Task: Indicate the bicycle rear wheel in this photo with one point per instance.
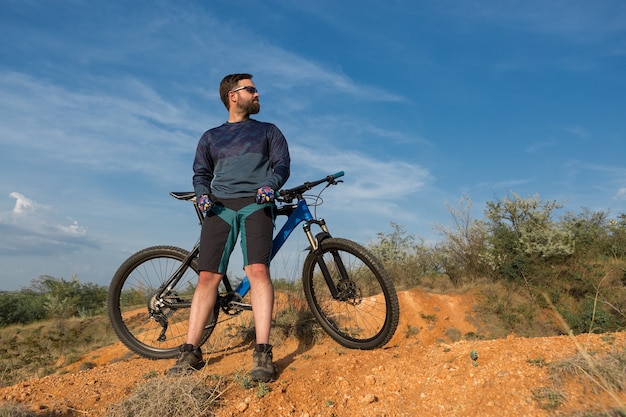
(148, 325)
(366, 311)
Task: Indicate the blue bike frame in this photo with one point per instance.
(300, 213)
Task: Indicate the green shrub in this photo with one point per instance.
(21, 307)
(589, 318)
(50, 297)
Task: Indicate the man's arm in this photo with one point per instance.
(202, 168)
(280, 160)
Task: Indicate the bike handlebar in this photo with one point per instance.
(286, 196)
(296, 192)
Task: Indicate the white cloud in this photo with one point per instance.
(97, 131)
(43, 234)
(23, 204)
(293, 70)
(376, 188)
(368, 175)
(74, 229)
(621, 194)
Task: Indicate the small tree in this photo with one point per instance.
(464, 244)
(617, 237)
(396, 250)
(63, 299)
(590, 233)
(524, 239)
(393, 248)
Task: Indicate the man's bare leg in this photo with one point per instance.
(262, 300)
(202, 304)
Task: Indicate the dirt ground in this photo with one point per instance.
(423, 371)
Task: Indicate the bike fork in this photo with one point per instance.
(315, 242)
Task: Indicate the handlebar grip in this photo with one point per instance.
(307, 186)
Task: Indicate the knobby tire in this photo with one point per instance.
(130, 292)
(366, 315)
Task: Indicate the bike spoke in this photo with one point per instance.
(149, 320)
(143, 283)
(364, 313)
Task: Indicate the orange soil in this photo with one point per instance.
(420, 372)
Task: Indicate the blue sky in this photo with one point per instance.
(419, 102)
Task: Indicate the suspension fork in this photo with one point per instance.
(315, 242)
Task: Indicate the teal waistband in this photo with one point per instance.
(229, 215)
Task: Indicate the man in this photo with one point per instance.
(238, 167)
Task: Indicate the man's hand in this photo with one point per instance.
(205, 204)
(264, 194)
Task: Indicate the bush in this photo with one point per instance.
(524, 239)
(50, 297)
(65, 299)
(589, 317)
(21, 307)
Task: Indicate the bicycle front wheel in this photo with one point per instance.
(149, 321)
(364, 312)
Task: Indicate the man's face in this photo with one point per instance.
(247, 97)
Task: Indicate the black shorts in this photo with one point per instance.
(222, 226)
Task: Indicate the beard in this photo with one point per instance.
(252, 107)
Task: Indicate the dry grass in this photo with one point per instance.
(606, 373)
(39, 349)
(195, 395)
(18, 410)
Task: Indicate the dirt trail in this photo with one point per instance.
(422, 371)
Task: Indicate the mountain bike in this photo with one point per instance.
(346, 287)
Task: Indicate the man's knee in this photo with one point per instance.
(209, 278)
(257, 271)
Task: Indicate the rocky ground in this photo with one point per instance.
(427, 369)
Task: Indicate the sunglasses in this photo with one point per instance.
(248, 88)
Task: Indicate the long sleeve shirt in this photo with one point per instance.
(235, 159)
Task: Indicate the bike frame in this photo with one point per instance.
(296, 214)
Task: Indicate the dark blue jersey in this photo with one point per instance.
(235, 159)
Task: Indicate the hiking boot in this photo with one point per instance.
(263, 367)
(190, 360)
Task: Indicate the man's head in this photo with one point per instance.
(238, 89)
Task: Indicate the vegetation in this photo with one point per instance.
(50, 297)
(39, 349)
(171, 397)
(49, 325)
(513, 256)
(18, 410)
